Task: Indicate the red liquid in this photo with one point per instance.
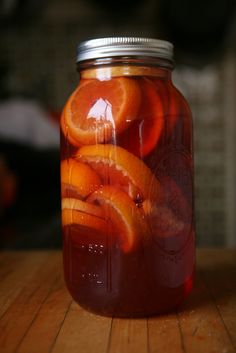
(155, 274)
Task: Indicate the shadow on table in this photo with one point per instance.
(215, 285)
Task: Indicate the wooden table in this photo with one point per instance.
(37, 315)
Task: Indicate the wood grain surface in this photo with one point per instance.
(37, 314)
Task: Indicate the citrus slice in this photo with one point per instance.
(164, 223)
(82, 206)
(82, 213)
(179, 127)
(172, 216)
(144, 133)
(78, 179)
(97, 109)
(123, 214)
(120, 168)
(64, 129)
(174, 125)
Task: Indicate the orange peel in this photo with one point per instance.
(82, 213)
(97, 109)
(119, 167)
(119, 208)
(145, 132)
(78, 179)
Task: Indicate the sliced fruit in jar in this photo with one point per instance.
(82, 206)
(179, 125)
(99, 109)
(127, 219)
(176, 165)
(78, 179)
(64, 129)
(174, 121)
(164, 223)
(144, 133)
(171, 217)
(82, 213)
(120, 168)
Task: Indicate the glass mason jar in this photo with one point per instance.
(127, 180)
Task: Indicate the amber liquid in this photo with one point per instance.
(157, 274)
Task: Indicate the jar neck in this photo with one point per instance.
(106, 68)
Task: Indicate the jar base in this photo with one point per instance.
(117, 310)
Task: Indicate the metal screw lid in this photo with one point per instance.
(124, 46)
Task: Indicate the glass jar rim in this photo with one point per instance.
(124, 46)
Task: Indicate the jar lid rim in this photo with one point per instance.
(124, 46)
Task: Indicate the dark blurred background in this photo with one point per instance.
(38, 42)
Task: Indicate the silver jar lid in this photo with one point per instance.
(124, 46)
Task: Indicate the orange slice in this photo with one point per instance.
(144, 133)
(179, 126)
(82, 206)
(97, 109)
(164, 223)
(118, 167)
(78, 179)
(174, 125)
(172, 216)
(65, 130)
(82, 213)
(123, 214)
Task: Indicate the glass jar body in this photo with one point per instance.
(127, 190)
